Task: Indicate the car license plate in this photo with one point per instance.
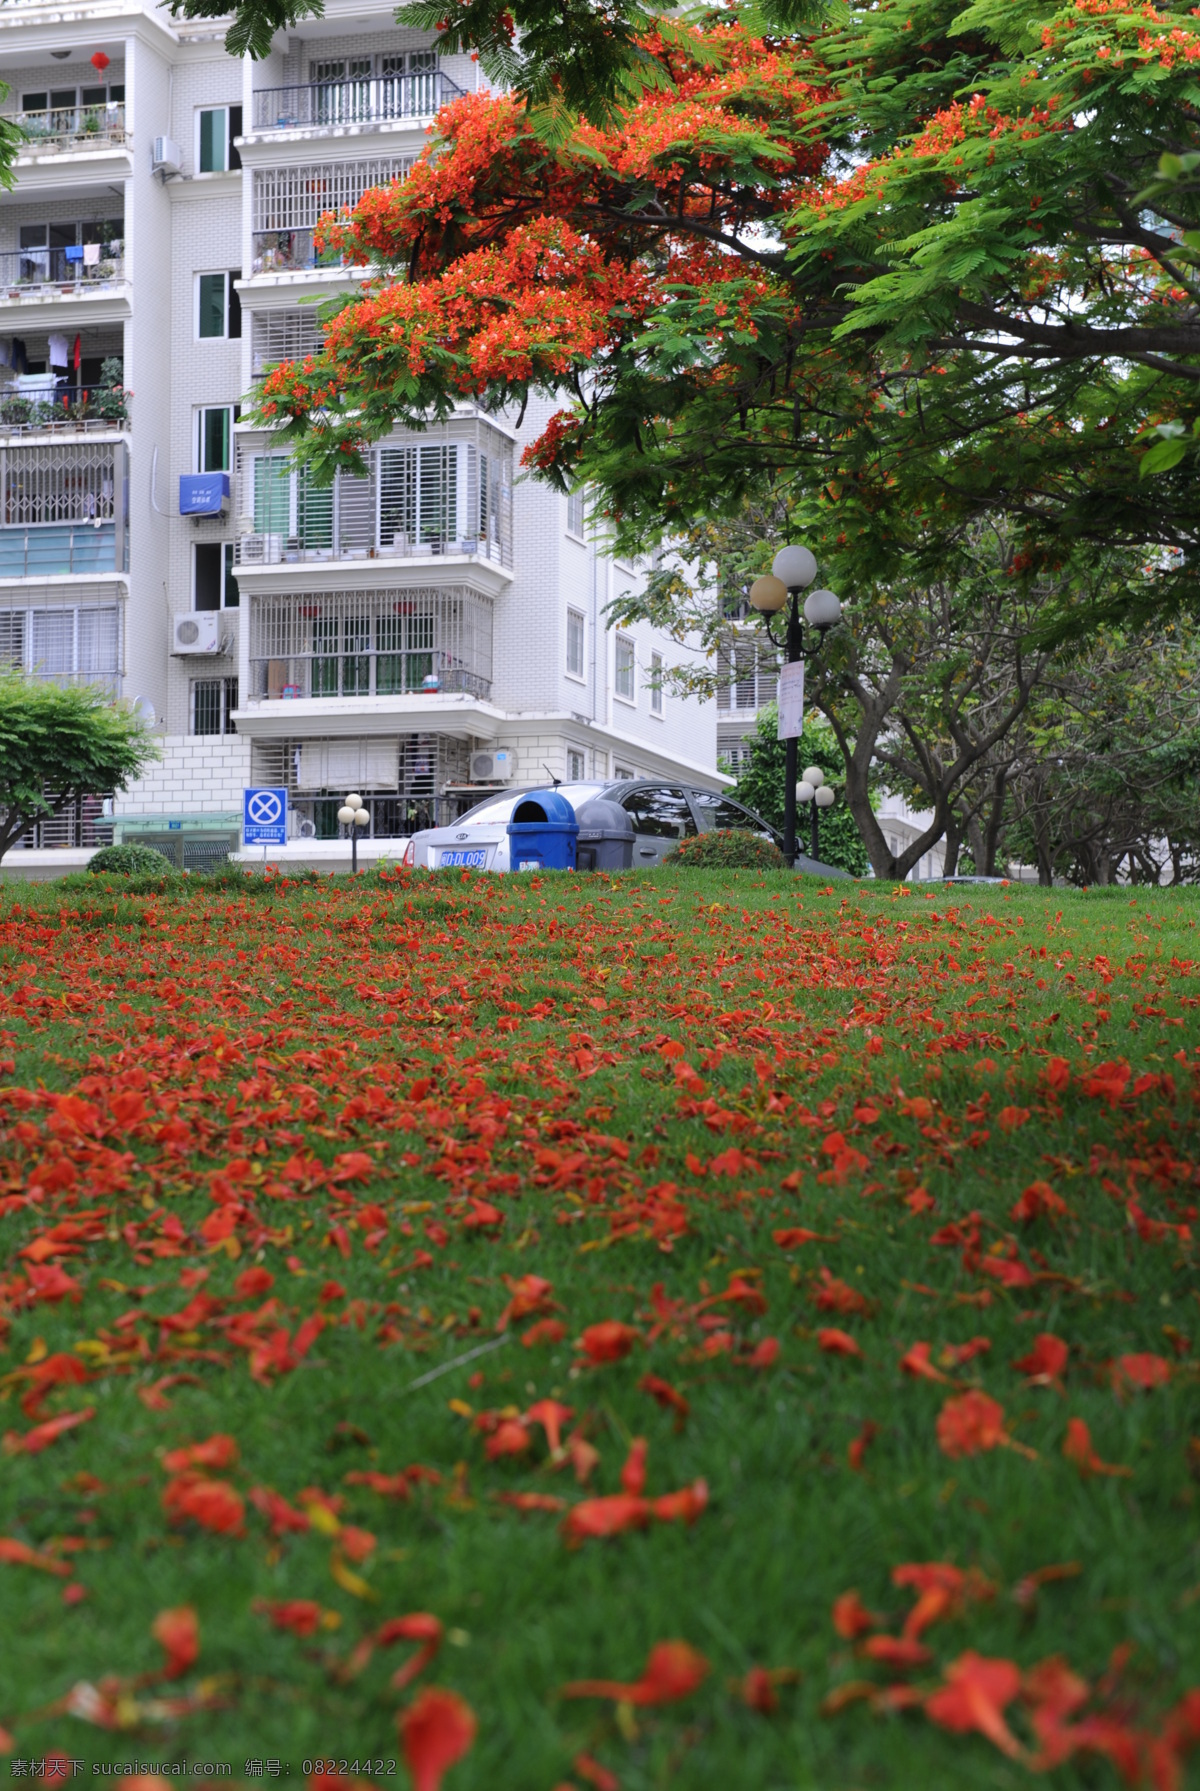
(474, 859)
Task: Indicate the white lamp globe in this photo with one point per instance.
(812, 774)
(822, 609)
(362, 817)
(353, 802)
(345, 815)
(804, 791)
(826, 796)
(795, 566)
(768, 594)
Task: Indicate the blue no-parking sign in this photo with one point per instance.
(264, 817)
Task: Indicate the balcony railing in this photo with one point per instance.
(364, 674)
(374, 643)
(68, 270)
(87, 410)
(62, 130)
(332, 105)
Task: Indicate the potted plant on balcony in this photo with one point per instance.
(110, 399)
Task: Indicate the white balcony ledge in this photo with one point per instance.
(338, 717)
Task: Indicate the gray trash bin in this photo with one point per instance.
(605, 836)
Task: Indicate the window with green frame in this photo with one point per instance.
(281, 491)
(405, 653)
(341, 656)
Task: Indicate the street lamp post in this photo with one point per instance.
(354, 815)
(813, 787)
(792, 571)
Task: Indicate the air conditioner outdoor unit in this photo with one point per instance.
(198, 633)
(166, 157)
(261, 550)
(492, 767)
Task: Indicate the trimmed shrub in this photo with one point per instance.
(130, 861)
(727, 849)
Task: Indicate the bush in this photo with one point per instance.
(130, 861)
(727, 849)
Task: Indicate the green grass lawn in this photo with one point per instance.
(397, 1101)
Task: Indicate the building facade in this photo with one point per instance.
(416, 635)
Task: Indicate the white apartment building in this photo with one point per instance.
(390, 635)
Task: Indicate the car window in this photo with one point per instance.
(718, 811)
(499, 811)
(490, 814)
(661, 812)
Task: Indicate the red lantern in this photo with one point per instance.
(100, 62)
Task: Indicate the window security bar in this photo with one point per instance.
(401, 779)
(371, 643)
(295, 197)
(79, 265)
(452, 496)
(284, 335)
(64, 128)
(65, 643)
(370, 99)
(62, 508)
(80, 823)
(750, 676)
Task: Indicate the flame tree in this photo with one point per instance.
(918, 263)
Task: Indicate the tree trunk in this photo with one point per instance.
(952, 847)
(995, 822)
(1044, 850)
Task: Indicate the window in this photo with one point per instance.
(624, 669)
(287, 503)
(418, 496)
(623, 773)
(214, 437)
(575, 766)
(67, 103)
(213, 703)
(70, 249)
(661, 812)
(718, 811)
(218, 307)
(575, 642)
(62, 644)
(656, 691)
(215, 132)
(215, 586)
(576, 511)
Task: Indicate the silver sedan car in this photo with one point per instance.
(662, 814)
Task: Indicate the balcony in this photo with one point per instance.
(72, 130)
(79, 268)
(83, 410)
(288, 252)
(289, 198)
(330, 106)
(401, 644)
(62, 509)
(427, 499)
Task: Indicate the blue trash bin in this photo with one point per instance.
(542, 833)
